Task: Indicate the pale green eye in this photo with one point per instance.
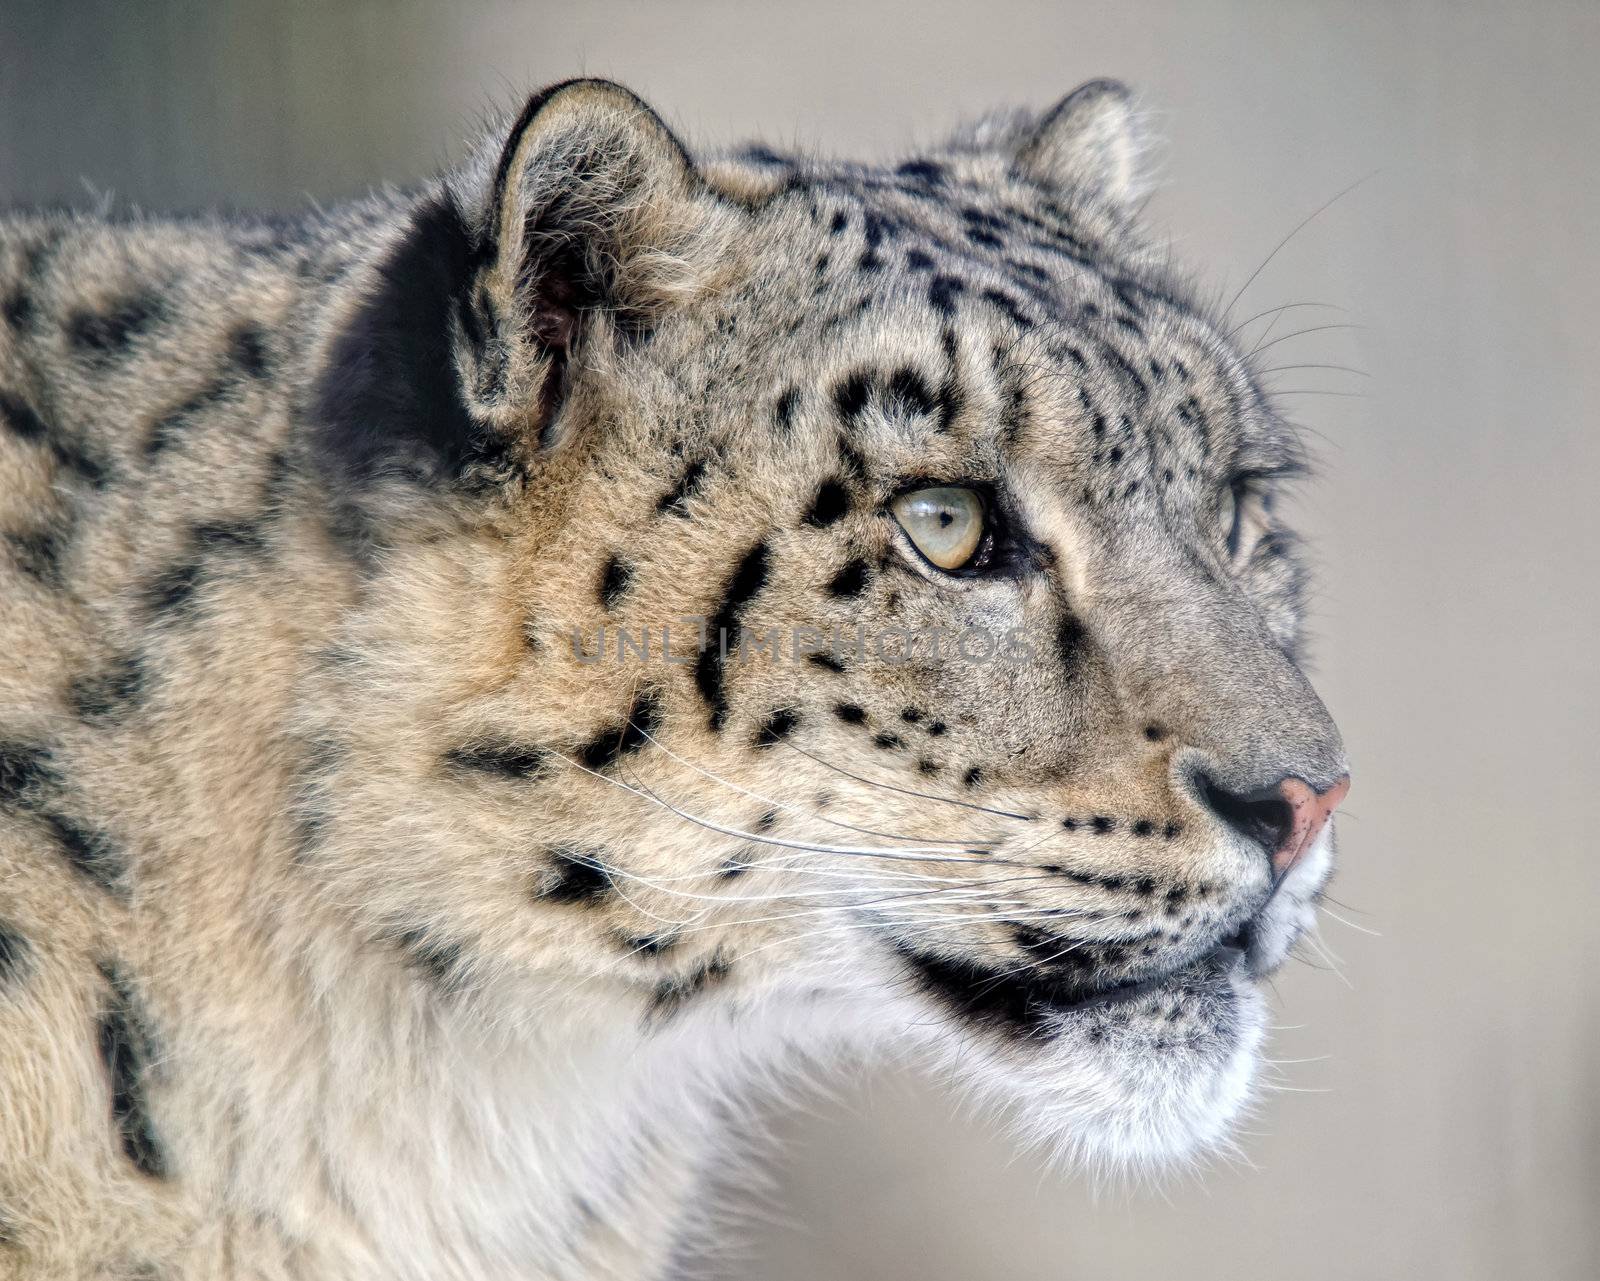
(944, 522)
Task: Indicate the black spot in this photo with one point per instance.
(38, 554)
(676, 499)
(440, 960)
(849, 581)
(911, 715)
(172, 591)
(1070, 824)
(13, 953)
(732, 869)
(103, 336)
(236, 535)
(1171, 830)
(1102, 823)
(672, 995)
(17, 310)
(614, 580)
(936, 728)
(973, 777)
(925, 766)
(177, 422)
(852, 394)
(581, 877)
(1012, 307)
(887, 740)
(126, 1048)
(831, 503)
(975, 217)
(248, 350)
(1124, 367)
(839, 223)
(24, 423)
(783, 411)
(1144, 827)
(917, 260)
(648, 944)
(910, 393)
(90, 851)
(1069, 643)
(510, 760)
(943, 291)
(828, 661)
(644, 719)
(950, 401)
(850, 713)
(928, 171)
(766, 822)
(25, 771)
(777, 727)
(111, 692)
(20, 418)
(747, 580)
(1155, 733)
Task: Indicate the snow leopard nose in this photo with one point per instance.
(1285, 819)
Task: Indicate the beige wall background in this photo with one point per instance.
(1439, 1113)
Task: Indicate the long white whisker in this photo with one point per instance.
(1328, 911)
(644, 793)
(792, 809)
(907, 791)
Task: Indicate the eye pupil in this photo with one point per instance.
(944, 522)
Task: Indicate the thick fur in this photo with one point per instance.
(373, 903)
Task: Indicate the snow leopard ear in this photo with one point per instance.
(1089, 141)
(582, 223)
(594, 218)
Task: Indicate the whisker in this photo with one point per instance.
(767, 800)
(1279, 310)
(1362, 929)
(644, 793)
(1343, 369)
(1300, 333)
(926, 925)
(906, 791)
(1298, 228)
(967, 918)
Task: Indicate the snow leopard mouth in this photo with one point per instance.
(1033, 1002)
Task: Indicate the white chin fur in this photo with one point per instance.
(1112, 1091)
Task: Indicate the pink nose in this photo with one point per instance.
(1309, 813)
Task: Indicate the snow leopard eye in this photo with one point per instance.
(1230, 512)
(944, 522)
(1242, 515)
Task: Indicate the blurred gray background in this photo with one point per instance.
(1444, 1119)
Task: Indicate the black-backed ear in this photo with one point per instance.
(1089, 141)
(583, 224)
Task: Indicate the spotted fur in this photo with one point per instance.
(468, 715)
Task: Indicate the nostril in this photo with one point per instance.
(1265, 817)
